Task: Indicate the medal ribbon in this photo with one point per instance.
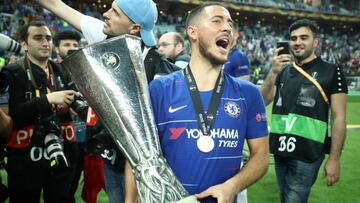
(205, 120)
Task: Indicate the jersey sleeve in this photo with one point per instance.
(339, 84)
(238, 64)
(92, 29)
(157, 99)
(243, 68)
(256, 115)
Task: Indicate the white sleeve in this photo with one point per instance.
(92, 29)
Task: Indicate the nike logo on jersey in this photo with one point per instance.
(171, 110)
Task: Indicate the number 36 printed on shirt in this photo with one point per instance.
(288, 145)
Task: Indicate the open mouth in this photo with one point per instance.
(223, 43)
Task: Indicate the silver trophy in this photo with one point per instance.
(111, 76)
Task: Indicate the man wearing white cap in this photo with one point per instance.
(136, 17)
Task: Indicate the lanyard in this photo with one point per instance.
(205, 120)
(317, 85)
(49, 77)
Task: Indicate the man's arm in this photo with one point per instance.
(338, 110)
(252, 171)
(130, 185)
(63, 11)
(268, 88)
(5, 123)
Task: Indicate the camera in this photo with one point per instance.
(80, 106)
(97, 140)
(49, 129)
(8, 44)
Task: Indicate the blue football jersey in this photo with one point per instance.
(238, 64)
(241, 115)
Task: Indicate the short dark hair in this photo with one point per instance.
(24, 32)
(66, 34)
(312, 25)
(197, 10)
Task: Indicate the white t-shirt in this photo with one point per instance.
(92, 29)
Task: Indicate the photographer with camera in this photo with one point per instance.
(64, 42)
(91, 164)
(41, 148)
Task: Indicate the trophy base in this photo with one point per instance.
(190, 199)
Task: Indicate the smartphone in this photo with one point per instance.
(285, 45)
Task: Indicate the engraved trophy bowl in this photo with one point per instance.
(111, 76)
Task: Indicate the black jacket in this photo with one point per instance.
(26, 109)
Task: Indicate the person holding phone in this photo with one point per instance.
(280, 58)
(306, 91)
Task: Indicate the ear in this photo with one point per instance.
(135, 29)
(179, 48)
(192, 32)
(24, 45)
(316, 42)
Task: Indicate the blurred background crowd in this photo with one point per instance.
(262, 23)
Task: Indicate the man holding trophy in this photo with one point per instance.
(112, 78)
(203, 115)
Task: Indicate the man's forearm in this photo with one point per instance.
(130, 185)
(338, 130)
(62, 10)
(268, 87)
(337, 137)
